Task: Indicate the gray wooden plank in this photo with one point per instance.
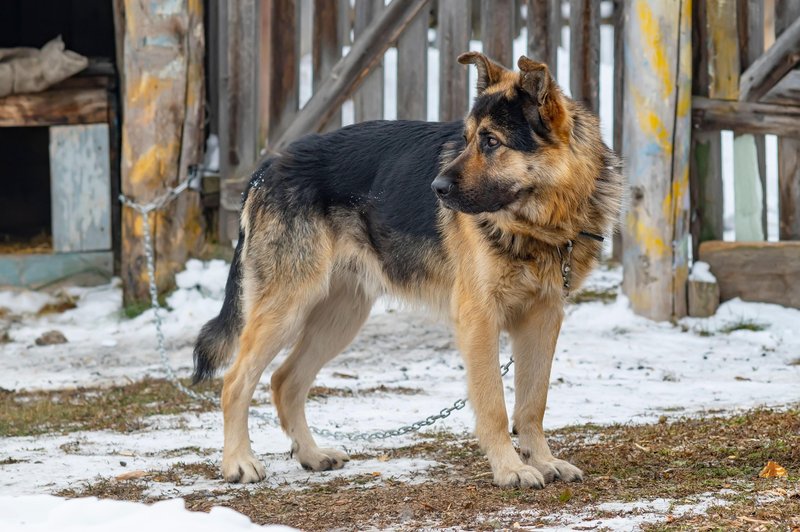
(80, 188)
(585, 52)
(412, 69)
(39, 270)
(326, 48)
(544, 32)
(497, 29)
(787, 14)
(454, 33)
(368, 100)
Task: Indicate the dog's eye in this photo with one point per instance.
(490, 142)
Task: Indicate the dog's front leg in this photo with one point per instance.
(478, 338)
(534, 342)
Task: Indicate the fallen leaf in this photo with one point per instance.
(772, 470)
(376, 473)
(132, 475)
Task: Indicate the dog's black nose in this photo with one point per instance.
(442, 186)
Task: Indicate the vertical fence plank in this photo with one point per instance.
(706, 158)
(238, 100)
(412, 69)
(786, 12)
(657, 116)
(326, 47)
(368, 101)
(750, 19)
(544, 32)
(454, 33)
(584, 56)
(497, 30)
(619, 83)
(279, 45)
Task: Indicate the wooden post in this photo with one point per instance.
(368, 99)
(412, 69)
(326, 48)
(656, 142)
(161, 133)
(454, 32)
(497, 29)
(544, 32)
(584, 61)
(279, 46)
(706, 152)
(787, 12)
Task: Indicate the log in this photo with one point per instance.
(55, 107)
(703, 291)
(412, 69)
(584, 77)
(759, 271)
(773, 65)
(745, 117)
(161, 131)
(544, 32)
(656, 144)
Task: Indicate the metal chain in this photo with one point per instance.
(160, 203)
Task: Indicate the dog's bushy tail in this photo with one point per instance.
(219, 337)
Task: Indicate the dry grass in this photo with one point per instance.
(622, 463)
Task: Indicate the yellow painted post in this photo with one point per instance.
(161, 135)
(656, 142)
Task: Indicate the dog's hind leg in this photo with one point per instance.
(330, 327)
(534, 342)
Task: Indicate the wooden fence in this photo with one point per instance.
(677, 77)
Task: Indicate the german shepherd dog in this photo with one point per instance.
(523, 191)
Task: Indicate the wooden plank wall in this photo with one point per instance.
(657, 123)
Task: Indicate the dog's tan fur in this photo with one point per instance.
(315, 296)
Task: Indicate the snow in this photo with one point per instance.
(45, 513)
(701, 272)
(21, 301)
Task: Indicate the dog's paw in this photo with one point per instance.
(521, 476)
(316, 459)
(243, 468)
(554, 469)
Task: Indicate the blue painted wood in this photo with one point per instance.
(37, 270)
(80, 185)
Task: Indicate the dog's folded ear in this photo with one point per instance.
(548, 102)
(489, 72)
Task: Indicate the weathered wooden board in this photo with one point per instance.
(786, 92)
(39, 270)
(412, 69)
(544, 32)
(497, 29)
(619, 83)
(776, 62)
(722, 49)
(278, 66)
(758, 271)
(745, 117)
(326, 48)
(788, 12)
(80, 188)
(163, 50)
(368, 99)
(55, 107)
(584, 57)
(656, 143)
(454, 33)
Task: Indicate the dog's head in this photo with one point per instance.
(519, 142)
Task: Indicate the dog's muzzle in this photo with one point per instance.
(442, 186)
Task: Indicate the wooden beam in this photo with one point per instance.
(351, 70)
(786, 91)
(279, 45)
(745, 117)
(788, 148)
(368, 99)
(619, 83)
(772, 66)
(497, 29)
(412, 69)
(55, 107)
(755, 271)
(656, 148)
(454, 32)
(544, 32)
(584, 76)
(326, 48)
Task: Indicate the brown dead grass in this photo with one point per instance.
(622, 463)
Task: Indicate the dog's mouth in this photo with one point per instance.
(477, 203)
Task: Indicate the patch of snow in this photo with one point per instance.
(45, 513)
(701, 272)
(18, 301)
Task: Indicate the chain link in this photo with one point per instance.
(161, 202)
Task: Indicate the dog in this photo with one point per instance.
(491, 220)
